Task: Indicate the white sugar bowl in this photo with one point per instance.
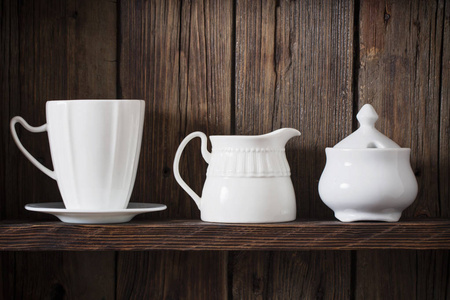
(367, 176)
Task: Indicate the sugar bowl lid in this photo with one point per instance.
(366, 136)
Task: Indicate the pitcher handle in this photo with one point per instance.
(206, 156)
(30, 128)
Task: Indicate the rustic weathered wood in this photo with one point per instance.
(149, 70)
(225, 67)
(198, 235)
(33, 73)
(91, 42)
(172, 275)
(444, 113)
(399, 74)
(399, 274)
(386, 275)
(265, 275)
(433, 276)
(255, 76)
(293, 69)
(50, 50)
(283, 79)
(313, 92)
(64, 275)
(179, 61)
(7, 272)
(9, 48)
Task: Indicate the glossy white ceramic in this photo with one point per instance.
(367, 177)
(248, 178)
(368, 184)
(94, 217)
(95, 146)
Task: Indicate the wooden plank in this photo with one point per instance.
(314, 61)
(7, 265)
(400, 49)
(255, 66)
(444, 125)
(91, 43)
(32, 54)
(250, 272)
(55, 51)
(64, 275)
(266, 275)
(50, 50)
(293, 69)
(149, 70)
(433, 276)
(283, 80)
(433, 266)
(205, 87)
(176, 56)
(9, 81)
(181, 65)
(386, 275)
(172, 275)
(390, 274)
(399, 74)
(197, 235)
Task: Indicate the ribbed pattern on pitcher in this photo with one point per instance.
(241, 162)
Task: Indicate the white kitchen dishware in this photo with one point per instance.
(367, 176)
(94, 217)
(95, 146)
(248, 178)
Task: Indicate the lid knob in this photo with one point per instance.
(367, 116)
(367, 136)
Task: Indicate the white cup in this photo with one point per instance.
(95, 146)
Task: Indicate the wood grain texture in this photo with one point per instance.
(444, 113)
(34, 73)
(314, 61)
(433, 276)
(399, 74)
(255, 76)
(50, 50)
(91, 42)
(7, 272)
(149, 70)
(399, 274)
(61, 50)
(9, 73)
(179, 62)
(197, 235)
(293, 69)
(386, 275)
(172, 275)
(205, 87)
(226, 67)
(64, 275)
(310, 275)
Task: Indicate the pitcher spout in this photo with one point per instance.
(281, 136)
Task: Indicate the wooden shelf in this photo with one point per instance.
(197, 235)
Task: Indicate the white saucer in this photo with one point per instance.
(94, 217)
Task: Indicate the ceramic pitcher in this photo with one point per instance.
(247, 180)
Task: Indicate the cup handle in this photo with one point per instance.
(206, 156)
(30, 128)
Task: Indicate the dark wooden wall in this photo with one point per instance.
(229, 67)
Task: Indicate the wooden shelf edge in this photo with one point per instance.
(198, 235)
